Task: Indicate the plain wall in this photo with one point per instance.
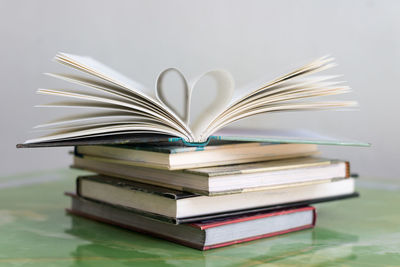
(248, 38)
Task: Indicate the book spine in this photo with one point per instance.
(78, 186)
(347, 169)
(270, 208)
(76, 152)
(193, 144)
(151, 215)
(314, 221)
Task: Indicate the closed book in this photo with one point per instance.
(229, 179)
(201, 235)
(178, 206)
(177, 157)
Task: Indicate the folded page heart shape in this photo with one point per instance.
(224, 86)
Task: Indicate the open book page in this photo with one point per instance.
(85, 119)
(224, 85)
(267, 96)
(116, 121)
(104, 72)
(122, 105)
(149, 119)
(97, 69)
(121, 94)
(284, 93)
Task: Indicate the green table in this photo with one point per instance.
(35, 231)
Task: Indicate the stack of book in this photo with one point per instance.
(207, 197)
(197, 183)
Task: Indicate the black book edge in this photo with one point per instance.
(136, 186)
(271, 208)
(184, 191)
(129, 227)
(118, 139)
(164, 190)
(73, 212)
(229, 214)
(136, 211)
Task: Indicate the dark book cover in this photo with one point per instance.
(124, 218)
(176, 195)
(116, 139)
(226, 134)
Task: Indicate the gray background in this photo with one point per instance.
(248, 38)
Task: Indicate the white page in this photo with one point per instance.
(254, 87)
(100, 70)
(99, 124)
(99, 106)
(98, 131)
(86, 97)
(125, 95)
(248, 91)
(293, 95)
(95, 98)
(266, 95)
(316, 81)
(287, 107)
(225, 88)
(102, 87)
(89, 119)
(113, 90)
(315, 66)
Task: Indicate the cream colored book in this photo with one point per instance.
(179, 205)
(229, 179)
(182, 157)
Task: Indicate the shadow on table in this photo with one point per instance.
(108, 244)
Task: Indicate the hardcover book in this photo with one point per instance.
(219, 180)
(123, 110)
(178, 206)
(203, 235)
(183, 157)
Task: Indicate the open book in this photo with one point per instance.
(124, 107)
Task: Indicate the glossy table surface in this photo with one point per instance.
(35, 231)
